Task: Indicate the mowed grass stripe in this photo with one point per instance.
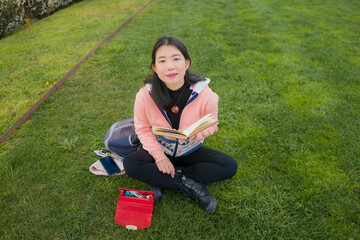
(293, 135)
(33, 59)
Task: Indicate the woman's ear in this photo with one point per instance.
(153, 67)
(187, 61)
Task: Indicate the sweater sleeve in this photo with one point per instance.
(143, 129)
(210, 106)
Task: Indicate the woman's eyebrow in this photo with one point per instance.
(175, 55)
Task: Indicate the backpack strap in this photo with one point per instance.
(111, 130)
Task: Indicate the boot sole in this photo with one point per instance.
(212, 206)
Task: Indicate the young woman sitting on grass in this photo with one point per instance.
(173, 97)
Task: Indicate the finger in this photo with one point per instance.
(163, 169)
(172, 170)
(166, 171)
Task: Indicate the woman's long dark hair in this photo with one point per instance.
(160, 93)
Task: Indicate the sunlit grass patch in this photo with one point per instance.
(288, 111)
(31, 58)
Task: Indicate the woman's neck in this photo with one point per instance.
(174, 87)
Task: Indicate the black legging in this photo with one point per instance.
(203, 165)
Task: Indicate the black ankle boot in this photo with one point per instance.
(158, 192)
(198, 192)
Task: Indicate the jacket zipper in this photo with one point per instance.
(177, 140)
(168, 120)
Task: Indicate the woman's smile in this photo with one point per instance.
(172, 75)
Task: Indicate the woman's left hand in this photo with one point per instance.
(164, 165)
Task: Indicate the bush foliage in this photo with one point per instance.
(15, 12)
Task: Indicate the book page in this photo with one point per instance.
(168, 132)
(203, 126)
(198, 123)
(194, 128)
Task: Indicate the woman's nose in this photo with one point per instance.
(170, 65)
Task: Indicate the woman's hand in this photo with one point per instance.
(164, 165)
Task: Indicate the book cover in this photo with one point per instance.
(190, 131)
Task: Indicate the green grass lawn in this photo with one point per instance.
(34, 58)
(287, 73)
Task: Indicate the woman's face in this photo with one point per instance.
(170, 65)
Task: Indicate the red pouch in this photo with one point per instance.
(132, 212)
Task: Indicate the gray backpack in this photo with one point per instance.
(121, 138)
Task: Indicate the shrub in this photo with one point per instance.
(15, 12)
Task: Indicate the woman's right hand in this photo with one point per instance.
(164, 165)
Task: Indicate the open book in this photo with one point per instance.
(190, 131)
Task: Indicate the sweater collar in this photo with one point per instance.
(197, 87)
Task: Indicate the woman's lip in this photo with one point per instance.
(171, 75)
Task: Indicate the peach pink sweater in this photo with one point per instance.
(147, 114)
